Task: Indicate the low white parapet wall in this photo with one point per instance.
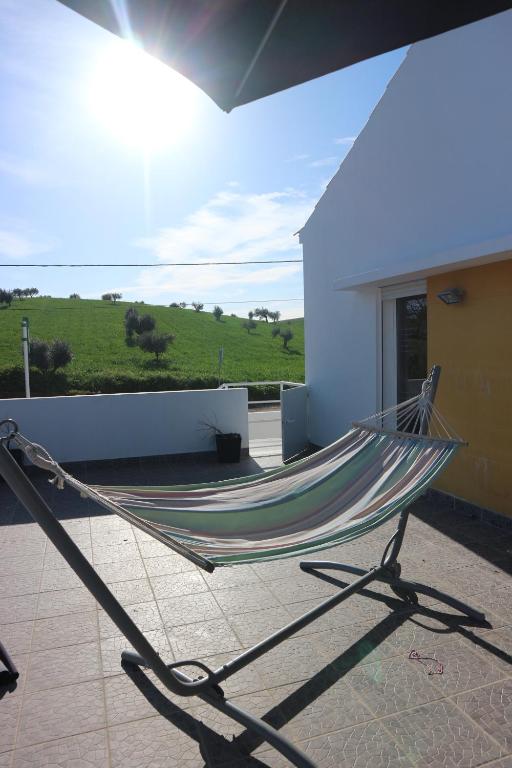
(92, 427)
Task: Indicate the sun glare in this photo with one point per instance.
(140, 100)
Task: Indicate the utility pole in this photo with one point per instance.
(25, 338)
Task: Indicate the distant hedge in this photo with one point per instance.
(12, 383)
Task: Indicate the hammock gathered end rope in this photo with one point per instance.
(341, 492)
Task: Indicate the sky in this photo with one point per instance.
(107, 156)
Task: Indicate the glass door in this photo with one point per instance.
(404, 341)
(411, 345)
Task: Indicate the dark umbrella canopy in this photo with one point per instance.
(241, 50)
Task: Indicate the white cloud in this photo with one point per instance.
(346, 140)
(14, 245)
(21, 170)
(323, 162)
(232, 226)
(297, 158)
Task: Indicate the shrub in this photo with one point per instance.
(249, 325)
(197, 306)
(276, 331)
(175, 305)
(155, 343)
(250, 315)
(218, 312)
(39, 355)
(49, 356)
(131, 322)
(6, 297)
(146, 323)
(286, 335)
(106, 297)
(60, 354)
(74, 296)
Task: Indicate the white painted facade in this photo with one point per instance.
(426, 188)
(92, 427)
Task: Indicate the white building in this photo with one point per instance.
(423, 202)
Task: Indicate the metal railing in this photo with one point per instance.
(281, 384)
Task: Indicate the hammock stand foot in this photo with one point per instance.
(215, 697)
(406, 590)
(389, 571)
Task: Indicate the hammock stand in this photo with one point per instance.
(208, 687)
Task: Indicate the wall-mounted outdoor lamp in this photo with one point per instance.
(451, 296)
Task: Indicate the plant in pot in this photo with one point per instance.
(228, 445)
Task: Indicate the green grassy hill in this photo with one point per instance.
(104, 363)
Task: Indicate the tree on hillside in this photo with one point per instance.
(286, 335)
(134, 323)
(276, 331)
(17, 293)
(218, 312)
(274, 316)
(131, 322)
(39, 355)
(249, 325)
(6, 297)
(197, 306)
(112, 297)
(155, 343)
(146, 323)
(174, 305)
(250, 314)
(74, 296)
(262, 313)
(60, 354)
(50, 356)
(31, 292)
(183, 304)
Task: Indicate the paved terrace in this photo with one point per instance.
(344, 688)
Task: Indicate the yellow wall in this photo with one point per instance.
(472, 341)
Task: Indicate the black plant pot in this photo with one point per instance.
(228, 447)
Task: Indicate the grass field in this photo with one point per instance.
(104, 363)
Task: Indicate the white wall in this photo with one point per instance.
(90, 427)
(430, 173)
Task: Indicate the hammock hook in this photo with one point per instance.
(11, 428)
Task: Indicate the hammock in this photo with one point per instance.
(343, 491)
(338, 494)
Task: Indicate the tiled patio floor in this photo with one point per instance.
(344, 688)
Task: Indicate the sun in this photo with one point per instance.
(139, 100)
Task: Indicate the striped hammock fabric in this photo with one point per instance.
(336, 495)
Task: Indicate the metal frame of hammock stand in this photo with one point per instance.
(208, 687)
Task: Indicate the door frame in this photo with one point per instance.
(386, 337)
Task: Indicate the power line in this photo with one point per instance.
(161, 264)
(250, 301)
